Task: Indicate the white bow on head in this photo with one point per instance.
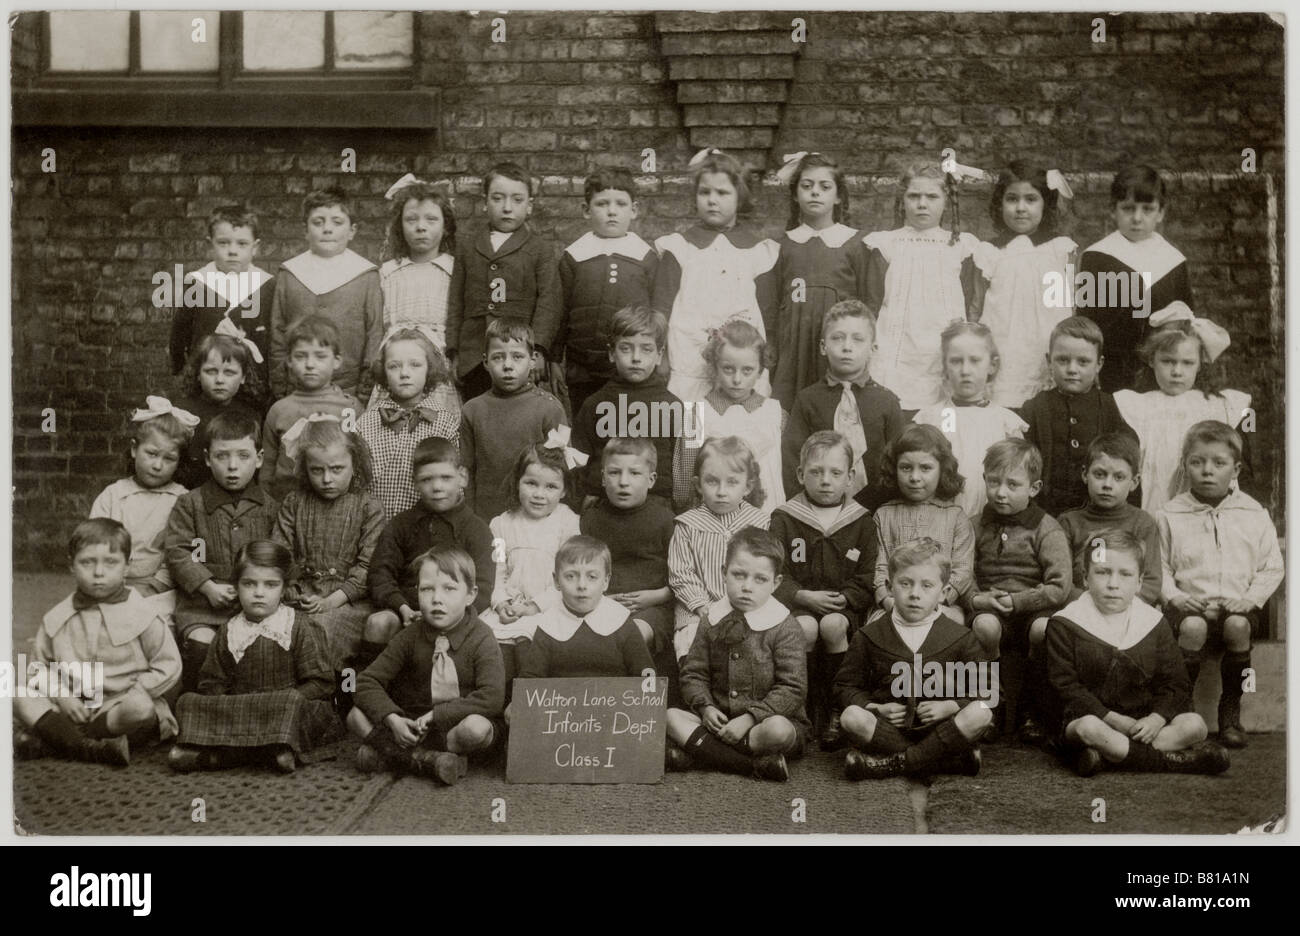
(703, 155)
(790, 165)
(962, 173)
(558, 438)
(291, 441)
(1214, 337)
(1056, 182)
(156, 406)
(411, 179)
(231, 330)
(420, 327)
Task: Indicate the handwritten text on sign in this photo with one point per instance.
(606, 730)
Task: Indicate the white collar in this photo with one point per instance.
(326, 274)
(760, 619)
(124, 621)
(1155, 255)
(927, 621)
(1141, 619)
(561, 623)
(590, 245)
(241, 632)
(834, 236)
(444, 261)
(132, 487)
(233, 288)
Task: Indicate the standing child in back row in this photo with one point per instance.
(713, 272)
(328, 279)
(506, 271)
(605, 270)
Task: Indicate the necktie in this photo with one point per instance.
(731, 629)
(443, 686)
(848, 423)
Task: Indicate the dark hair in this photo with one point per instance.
(327, 432)
(264, 554)
(928, 439)
(1010, 454)
(508, 329)
(1020, 170)
(327, 198)
(235, 216)
(252, 392)
(512, 171)
(1078, 326)
(819, 161)
(919, 552)
(231, 425)
(1209, 376)
(452, 561)
(583, 549)
(1117, 445)
(734, 170)
(630, 321)
(535, 454)
(315, 328)
(1113, 540)
(929, 170)
(1141, 183)
(735, 450)
(602, 180)
(435, 450)
(639, 446)
(759, 543)
(395, 239)
(739, 334)
(438, 372)
(99, 531)
(1212, 432)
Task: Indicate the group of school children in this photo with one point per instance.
(893, 450)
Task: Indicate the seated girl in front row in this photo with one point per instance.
(745, 678)
(265, 687)
(1122, 685)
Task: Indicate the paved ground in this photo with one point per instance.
(1019, 791)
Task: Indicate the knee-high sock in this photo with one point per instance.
(193, 653)
(926, 755)
(1192, 660)
(1142, 757)
(1011, 677)
(394, 756)
(58, 731)
(366, 653)
(1033, 700)
(831, 670)
(706, 749)
(1231, 669)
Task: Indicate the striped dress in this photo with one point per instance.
(270, 696)
(696, 555)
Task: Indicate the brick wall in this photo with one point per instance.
(570, 91)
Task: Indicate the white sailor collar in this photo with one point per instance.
(444, 261)
(589, 246)
(233, 288)
(834, 236)
(124, 621)
(1155, 255)
(1142, 618)
(561, 623)
(803, 511)
(761, 619)
(326, 274)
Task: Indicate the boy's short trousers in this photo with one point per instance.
(800, 741)
(436, 738)
(1214, 628)
(889, 739)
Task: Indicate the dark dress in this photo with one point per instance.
(271, 696)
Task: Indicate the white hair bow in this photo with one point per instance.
(558, 438)
(1214, 337)
(1056, 182)
(962, 173)
(420, 327)
(790, 164)
(156, 406)
(291, 441)
(411, 179)
(231, 330)
(703, 155)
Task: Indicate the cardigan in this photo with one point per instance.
(1082, 524)
(877, 655)
(398, 680)
(1062, 426)
(1025, 554)
(638, 539)
(814, 410)
(393, 583)
(495, 427)
(1225, 552)
(524, 270)
(840, 558)
(602, 418)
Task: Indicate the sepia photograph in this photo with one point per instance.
(563, 422)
